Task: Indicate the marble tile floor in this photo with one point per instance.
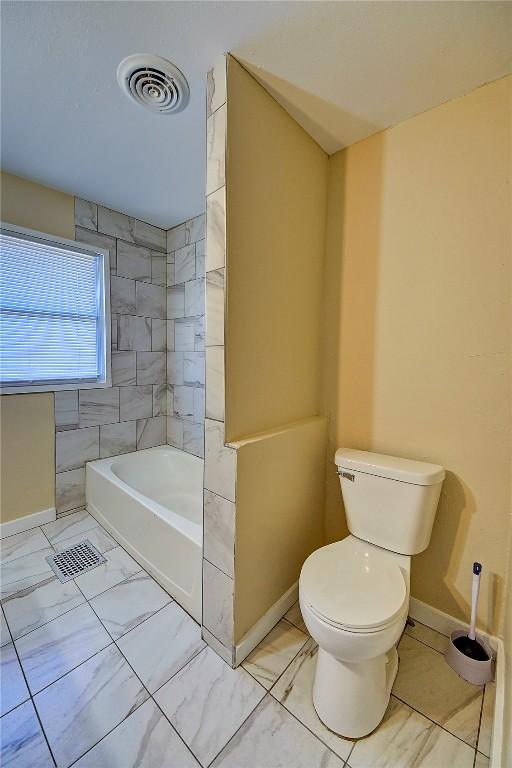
(108, 671)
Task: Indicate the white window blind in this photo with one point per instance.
(52, 314)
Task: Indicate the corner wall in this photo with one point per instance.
(417, 352)
(265, 443)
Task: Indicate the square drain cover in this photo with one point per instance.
(76, 560)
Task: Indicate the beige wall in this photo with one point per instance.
(276, 193)
(27, 455)
(27, 425)
(280, 496)
(31, 205)
(417, 352)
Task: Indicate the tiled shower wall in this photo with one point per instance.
(130, 415)
(186, 335)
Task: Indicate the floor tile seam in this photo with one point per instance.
(422, 624)
(27, 554)
(96, 525)
(137, 626)
(422, 642)
(111, 730)
(207, 765)
(284, 670)
(45, 624)
(174, 729)
(189, 661)
(433, 721)
(104, 590)
(23, 578)
(319, 738)
(290, 663)
(31, 699)
(480, 720)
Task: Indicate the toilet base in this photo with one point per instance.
(351, 698)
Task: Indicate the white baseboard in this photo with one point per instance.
(446, 624)
(262, 627)
(28, 521)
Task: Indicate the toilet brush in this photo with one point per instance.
(470, 657)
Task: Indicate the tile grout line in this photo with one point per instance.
(432, 721)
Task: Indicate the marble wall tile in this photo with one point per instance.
(184, 334)
(115, 224)
(200, 258)
(14, 688)
(221, 650)
(175, 431)
(70, 489)
(175, 238)
(216, 230)
(66, 409)
(136, 402)
(118, 438)
(199, 333)
(193, 369)
(220, 462)
(215, 308)
(215, 394)
(175, 301)
(216, 150)
(218, 594)
(129, 603)
(216, 87)
(160, 399)
(195, 229)
(170, 335)
(74, 447)
(150, 300)
(149, 235)
(184, 403)
(219, 532)
(207, 702)
(185, 263)
(194, 297)
(98, 406)
(86, 214)
(193, 438)
(150, 367)
(55, 648)
(175, 368)
(114, 328)
(124, 369)
(151, 432)
(133, 261)
(122, 295)
(171, 270)
(159, 269)
(84, 705)
(22, 742)
(134, 333)
(98, 240)
(145, 738)
(199, 405)
(174, 639)
(289, 745)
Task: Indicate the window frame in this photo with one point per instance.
(56, 386)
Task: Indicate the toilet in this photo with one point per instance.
(354, 594)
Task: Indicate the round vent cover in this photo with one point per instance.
(153, 82)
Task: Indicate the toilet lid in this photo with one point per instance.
(352, 585)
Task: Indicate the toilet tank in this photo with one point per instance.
(389, 502)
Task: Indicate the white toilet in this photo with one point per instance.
(354, 594)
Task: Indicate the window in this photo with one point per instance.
(54, 313)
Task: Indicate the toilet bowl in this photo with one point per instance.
(356, 628)
(354, 594)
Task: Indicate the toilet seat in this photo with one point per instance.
(353, 586)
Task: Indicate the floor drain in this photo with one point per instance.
(75, 560)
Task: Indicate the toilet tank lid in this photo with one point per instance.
(392, 467)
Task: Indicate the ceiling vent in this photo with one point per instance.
(153, 82)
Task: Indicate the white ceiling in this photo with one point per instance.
(344, 70)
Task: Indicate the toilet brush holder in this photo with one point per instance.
(469, 655)
(474, 671)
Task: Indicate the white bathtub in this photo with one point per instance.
(151, 501)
